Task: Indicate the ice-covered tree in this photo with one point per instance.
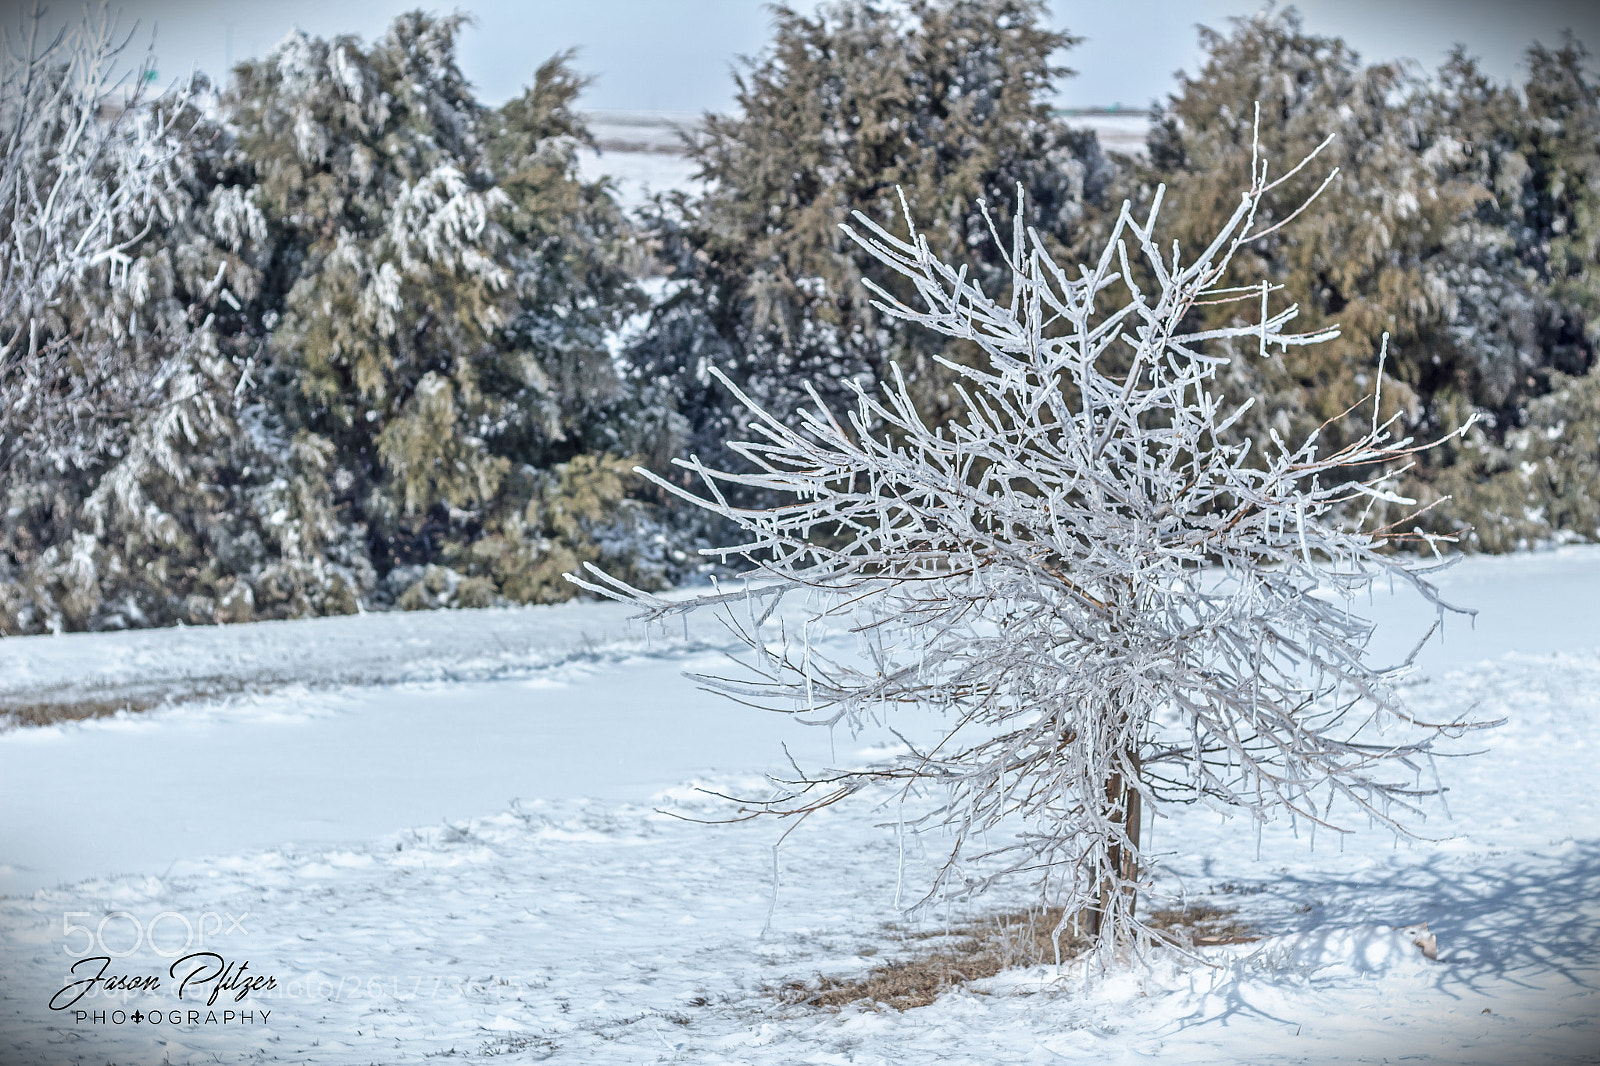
(88, 169)
(119, 247)
(1114, 602)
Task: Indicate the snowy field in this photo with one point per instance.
(641, 151)
(636, 175)
(1118, 132)
(449, 836)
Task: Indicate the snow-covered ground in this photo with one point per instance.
(139, 666)
(1119, 131)
(642, 151)
(637, 175)
(440, 836)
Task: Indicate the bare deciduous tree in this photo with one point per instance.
(1116, 605)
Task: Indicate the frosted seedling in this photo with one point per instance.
(1114, 604)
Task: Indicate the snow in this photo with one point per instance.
(643, 150)
(1123, 132)
(638, 174)
(352, 650)
(357, 841)
(642, 131)
(320, 768)
(1533, 602)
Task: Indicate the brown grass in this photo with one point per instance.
(1201, 925)
(56, 705)
(982, 948)
(43, 712)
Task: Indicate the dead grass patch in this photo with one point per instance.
(1201, 925)
(44, 712)
(951, 958)
(61, 704)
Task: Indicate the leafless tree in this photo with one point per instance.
(1115, 604)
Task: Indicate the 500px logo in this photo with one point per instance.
(120, 934)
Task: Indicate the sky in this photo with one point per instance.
(676, 55)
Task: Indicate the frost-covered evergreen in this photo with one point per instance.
(339, 338)
(1430, 232)
(1530, 474)
(447, 285)
(947, 99)
(389, 256)
(118, 250)
(90, 169)
(1384, 249)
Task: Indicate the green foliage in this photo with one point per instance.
(947, 101)
(357, 349)
(1430, 233)
(1542, 482)
(1558, 140)
(377, 316)
(448, 287)
(1371, 253)
(573, 258)
(557, 531)
(370, 164)
(119, 528)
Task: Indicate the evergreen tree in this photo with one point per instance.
(1419, 236)
(121, 247)
(350, 336)
(573, 259)
(571, 427)
(1531, 472)
(369, 166)
(347, 342)
(1363, 255)
(1560, 140)
(447, 285)
(947, 100)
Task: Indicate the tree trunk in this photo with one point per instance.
(1126, 808)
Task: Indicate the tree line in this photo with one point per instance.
(337, 335)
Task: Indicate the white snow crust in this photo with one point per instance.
(451, 836)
